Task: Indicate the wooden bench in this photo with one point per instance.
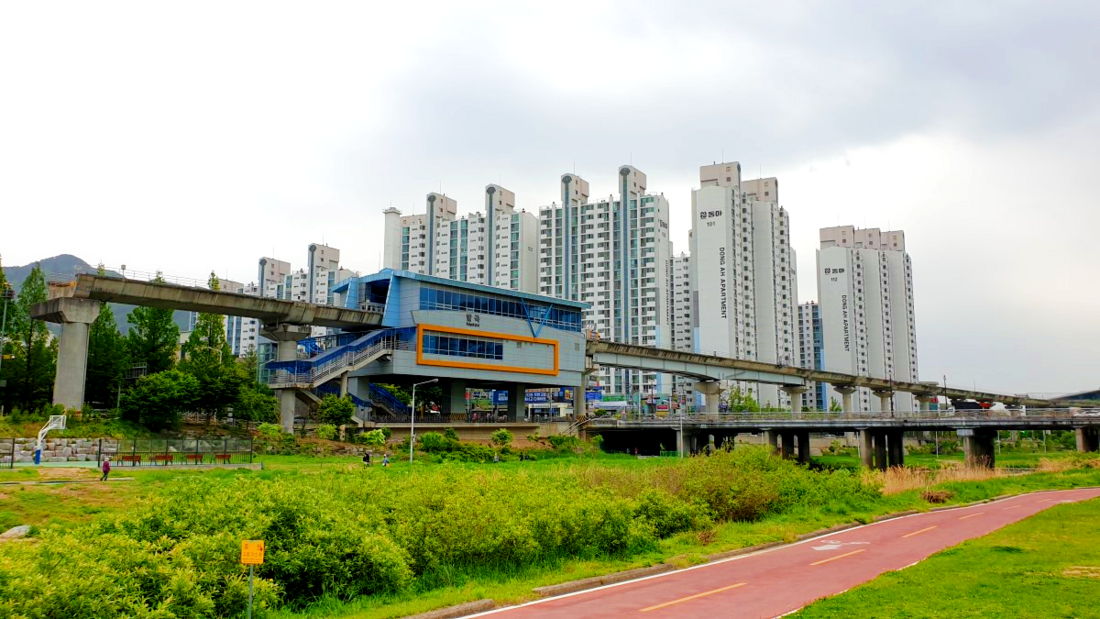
(163, 458)
(223, 458)
(133, 460)
(196, 458)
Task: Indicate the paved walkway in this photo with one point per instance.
(778, 581)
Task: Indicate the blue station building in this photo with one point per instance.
(468, 336)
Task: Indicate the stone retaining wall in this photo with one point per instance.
(58, 449)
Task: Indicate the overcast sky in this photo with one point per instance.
(206, 135)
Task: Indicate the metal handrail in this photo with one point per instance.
(1068, 414)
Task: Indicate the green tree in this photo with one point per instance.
(108, 359)
(336, 410)
(254, 404)
(33, 364)
(834, 406)
(206, 355)
(153, 337)
(158, 400)
(742, 401)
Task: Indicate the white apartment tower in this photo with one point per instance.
(682, 323)
(743, 273)
(865, 289)
(614, 254)
(495, 248)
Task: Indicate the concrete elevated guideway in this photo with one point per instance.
(709, 368)
(517, 340)
(76, 305)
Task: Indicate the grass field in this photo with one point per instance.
(1045, 566)
(345, 482)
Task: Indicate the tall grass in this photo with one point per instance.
(897, 480)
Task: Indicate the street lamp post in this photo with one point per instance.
(412, 418)
(6, 295)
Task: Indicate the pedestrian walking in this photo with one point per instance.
(385, 460)
(496, 458)
(366, 458)
(106, 468)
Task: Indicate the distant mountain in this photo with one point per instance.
(65, 268)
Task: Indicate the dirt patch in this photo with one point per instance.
(49, 473)
(1083, 571)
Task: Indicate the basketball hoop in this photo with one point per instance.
(56, 422)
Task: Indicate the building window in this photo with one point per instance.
(472, 347)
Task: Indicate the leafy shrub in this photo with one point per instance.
(434, 442)
(451, 434)
(388, 433)
(501, 437)
(270, 430)
(374, 438)
(326, 431)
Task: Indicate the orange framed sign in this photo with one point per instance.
(473, 365)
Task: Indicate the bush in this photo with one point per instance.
(326, 431)
(270, 430)
(434, 442)
(501, 437)
(373, 438)
(451, 434)
(388, 433)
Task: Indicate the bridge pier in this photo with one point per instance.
(884, 401)
(880, 451)
(803, 438)
(845, 392)
(787, 442)
(866, 448)
(75, 317)
(896, 448)
(1088, 439)
(795, 394)
(770, 438)
(286, 338)
(579, 401)
(712, 391)
(979, 447)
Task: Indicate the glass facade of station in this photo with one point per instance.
(564, 318)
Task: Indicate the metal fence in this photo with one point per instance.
(1059, 414)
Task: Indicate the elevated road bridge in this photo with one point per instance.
(880, 433)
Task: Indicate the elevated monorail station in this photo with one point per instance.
(467, 336)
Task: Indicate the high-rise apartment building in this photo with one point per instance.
(865, 289)
(682, 331)
(811, 354)
(743, 273)
(616, 255)
(272, 278)
(495, 248)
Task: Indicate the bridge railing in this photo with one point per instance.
(1068, 414)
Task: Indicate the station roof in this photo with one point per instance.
(387, 274)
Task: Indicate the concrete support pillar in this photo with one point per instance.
(770, 438)
(803, 437)
(712, 392)
(866, 448)
(925, 403)
(74, 316)
(897, 448)
(884, 401)
(579, 402)
(980, 449)
(286, 349)
(516, 404)
(845, 392)
(880, 451)
(455, 399)
(681, 447)
(787, 440)
(344, 385)
(796, 398)
(1088, 439)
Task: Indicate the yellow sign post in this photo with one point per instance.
(252, 554)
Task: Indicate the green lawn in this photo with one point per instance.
(1045, 566)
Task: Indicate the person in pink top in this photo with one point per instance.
(106, 468)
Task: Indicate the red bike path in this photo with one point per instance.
(780, 580)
